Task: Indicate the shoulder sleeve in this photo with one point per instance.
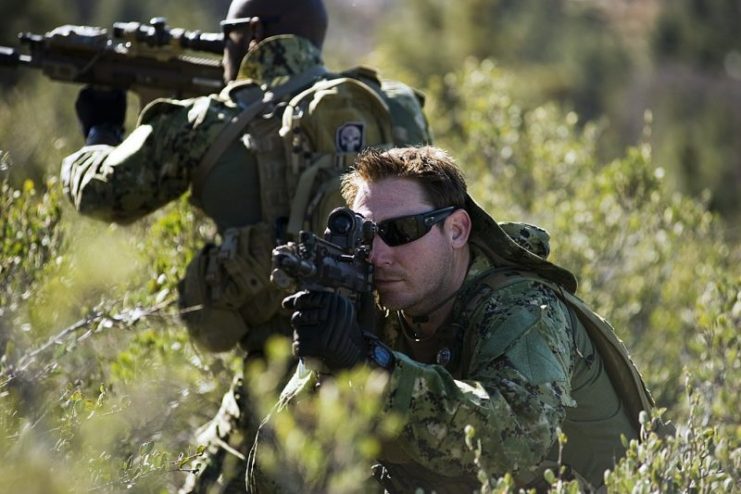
(151, 167)
(514, 392)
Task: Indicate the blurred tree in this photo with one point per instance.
(700, 34)
(606, 60)
(351, 30)
(562, 49)
(696, 96)
(21, 16)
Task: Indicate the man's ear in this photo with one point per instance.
(459, 225)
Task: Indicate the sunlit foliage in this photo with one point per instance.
(100, 389)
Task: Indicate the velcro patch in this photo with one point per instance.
(350, 137)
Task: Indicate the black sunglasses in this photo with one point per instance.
(405, 229)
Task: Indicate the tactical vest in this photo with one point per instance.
(620, 367)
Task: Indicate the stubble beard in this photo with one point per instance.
(429, 291)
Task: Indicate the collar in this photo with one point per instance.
(278, 58)
(479, 264)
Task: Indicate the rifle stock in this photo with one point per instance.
(149, 59)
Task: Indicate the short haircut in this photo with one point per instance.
(431, 167)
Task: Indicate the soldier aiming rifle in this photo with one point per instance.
(337, 263)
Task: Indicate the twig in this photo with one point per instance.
(129, 316)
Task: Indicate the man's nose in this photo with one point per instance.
(380, 254)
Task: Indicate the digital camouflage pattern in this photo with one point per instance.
(515, 366)
(530, 237)
(279, 59)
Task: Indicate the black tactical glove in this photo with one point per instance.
(325, 327)
(101, 113)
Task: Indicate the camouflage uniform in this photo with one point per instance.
(517, 367)
(511, 362)
(160, 160)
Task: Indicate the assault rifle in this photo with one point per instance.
(149, 59)
(338, 262)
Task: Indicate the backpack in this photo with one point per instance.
(307, 132)
(323, 130)
(514, 262)
(623, 373)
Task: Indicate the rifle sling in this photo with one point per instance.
(234, 128)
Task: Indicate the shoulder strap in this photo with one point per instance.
(237, 125)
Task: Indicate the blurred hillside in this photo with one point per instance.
(609, 61)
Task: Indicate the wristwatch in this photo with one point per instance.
(380, 354)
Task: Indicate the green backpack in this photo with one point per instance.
(324, 128)
(307, 132)
(516, 261)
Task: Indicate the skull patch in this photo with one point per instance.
(350, 137)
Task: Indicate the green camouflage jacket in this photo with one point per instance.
(514, 365)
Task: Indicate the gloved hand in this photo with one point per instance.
(325, 327)
(104, 108)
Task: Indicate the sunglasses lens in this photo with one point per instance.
(405, 229)
(400, 231)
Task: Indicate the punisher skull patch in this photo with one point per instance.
(350, 137)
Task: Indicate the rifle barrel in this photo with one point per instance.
(152, 60)
(10, 57)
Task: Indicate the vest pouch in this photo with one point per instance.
(213, 328)
(226, 291)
